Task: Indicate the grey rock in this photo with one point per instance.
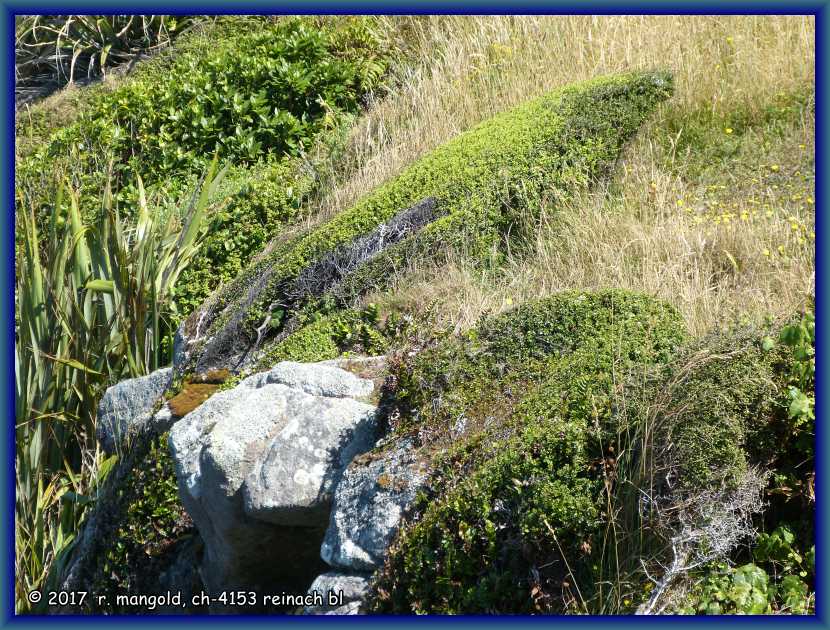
(126, 408)
(291, 483)
(317, 379)
(341, 593)
(352, 608)
(182, 575)
(368, 505)
(256, 466)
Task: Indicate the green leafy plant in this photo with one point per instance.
(301, 78)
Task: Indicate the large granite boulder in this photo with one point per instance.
(127, 408)
(257, 466)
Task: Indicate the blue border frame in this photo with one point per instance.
(819, 9)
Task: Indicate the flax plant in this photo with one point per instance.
(92, 307)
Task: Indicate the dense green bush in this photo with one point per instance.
(268, 90)
(151, 522)
(514, 413)
(545, 428)
(485, 182)
(257, 92)
(730, 403)
(705, 410)
(258, 201)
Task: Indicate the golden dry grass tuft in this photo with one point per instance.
(704, 198)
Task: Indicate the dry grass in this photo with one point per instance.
(704, 256)
(715, 266)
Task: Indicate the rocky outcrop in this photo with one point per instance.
(257, 466)
(368, 505)
(127, 408)
(370, 501)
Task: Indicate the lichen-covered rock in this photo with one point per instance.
(127, 407)
(317, 379)
(292, 481)
(341, 593)
(368, 505)
(256, 467)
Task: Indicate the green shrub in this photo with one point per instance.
(151, 521)
(621, 327)
(513, 413)
(709, 406)
(260, 199)
(482, 180)
(257, 92)
(269, 90)
(326, 335)
(699, 427)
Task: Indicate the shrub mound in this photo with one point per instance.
(580, 445)
(517, 418)
(483, 182)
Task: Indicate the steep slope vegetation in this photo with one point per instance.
(483, 185)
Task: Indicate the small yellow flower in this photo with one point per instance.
(809, 200)
(508, 301)
(802, 146)
(679, 202)
(728, 130)
(813, 235)
(780, 249)
(768, 213)
(626, 602)
(766, 252)
(774, 168)
(729, 40)
(744, 215)
(802, 240)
